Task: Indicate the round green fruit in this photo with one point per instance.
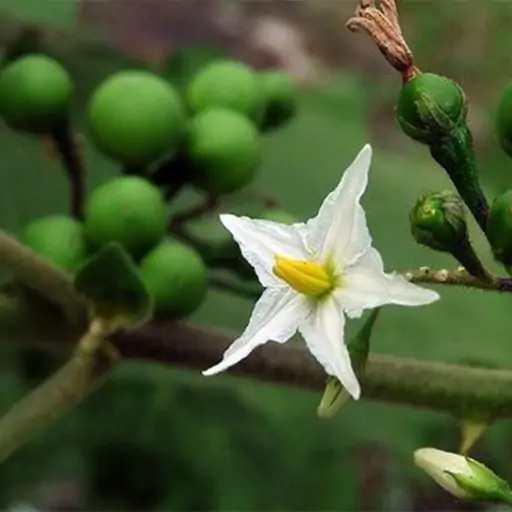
(228, 84)
(59, 239)
(175, 276)
(224, 149)
(499, 228)
(280, 99)
(504, 120)
(128, 210)
(430, 106)
(35, 94)
(136, 117)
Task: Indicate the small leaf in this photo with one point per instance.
(111, 282)
(335, 395)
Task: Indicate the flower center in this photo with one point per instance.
(305, 277)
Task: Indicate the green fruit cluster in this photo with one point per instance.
(211, 133)
(208, 136)
(131, 211)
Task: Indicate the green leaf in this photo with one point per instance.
(111, 282)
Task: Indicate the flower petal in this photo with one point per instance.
(261, 241)
(367, 286)
(323, 332)
(275, 317)
(339, 231)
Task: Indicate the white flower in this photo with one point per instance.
(461, 476)
(315, 273)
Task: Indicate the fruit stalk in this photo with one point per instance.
(455, 154)
(72, 161)
(69, 386)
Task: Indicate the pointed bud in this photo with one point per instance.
(431, 106)
(461, 476)
(472, 431)
(438, 221)
(335, 395)
(499, 228)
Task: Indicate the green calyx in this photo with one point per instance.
(499, 228)
(483, 484)
(438, 221)
(430, 107)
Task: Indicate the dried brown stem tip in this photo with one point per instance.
(382, 24)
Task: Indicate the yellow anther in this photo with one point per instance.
(305, 277)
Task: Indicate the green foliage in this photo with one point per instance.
(129, 210)
(237, 445)
(58, 238)
(136, 117)
(111, 283)
(175, 276)
(35, 94)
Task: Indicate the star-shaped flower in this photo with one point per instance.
(315, 273)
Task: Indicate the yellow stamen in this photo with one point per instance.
(305, 277)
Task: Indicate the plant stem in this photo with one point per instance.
(37, 274)
(71, 158)
(69, 386)
(457, 390)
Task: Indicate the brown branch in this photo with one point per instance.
(457, 390)
(449, 388)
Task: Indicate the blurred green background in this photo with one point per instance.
(158, 438)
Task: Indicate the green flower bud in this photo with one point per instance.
(499, 228)
(461, 476)
(438, 221)
(431, 106)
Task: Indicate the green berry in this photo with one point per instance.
(227, 84)
(504, 120)
(499, 228)
(280, 99)
(430, 106)
(136, 117)
(35, 94)
(128, 210)
(175, 276)
(224, 150)
(59, 239)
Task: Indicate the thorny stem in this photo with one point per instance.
(67, 146)
(251, 289)
(382, 25)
